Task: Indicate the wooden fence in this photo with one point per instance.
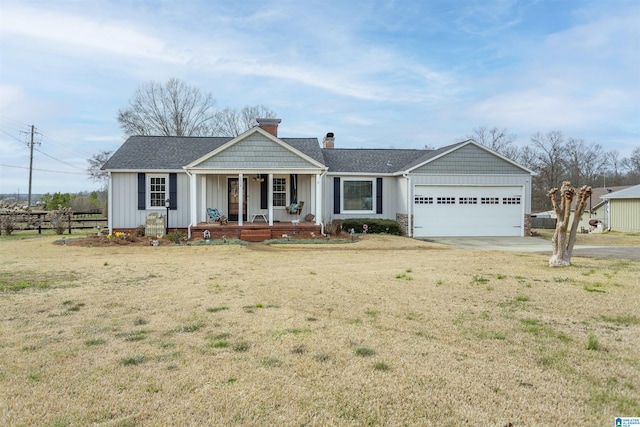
(74, 221)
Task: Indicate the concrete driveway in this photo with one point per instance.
(534, 244)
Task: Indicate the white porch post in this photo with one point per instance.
(193, 201)
(410, 205)
(240, 199)
(318, 199)
(270, 198)
(202, 216)
(110, 204)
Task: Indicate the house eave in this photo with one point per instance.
(145, 170)
(254, 171)
(373, 173)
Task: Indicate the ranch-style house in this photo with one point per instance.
(258, 177)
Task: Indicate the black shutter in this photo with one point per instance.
(293, 188)
(264, 192)
(173, 191)
(378, 195)
(142, 192)
(336, 195)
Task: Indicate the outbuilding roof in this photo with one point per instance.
(627, 193)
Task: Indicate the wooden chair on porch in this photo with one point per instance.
(295, 208)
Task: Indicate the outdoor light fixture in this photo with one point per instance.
(167, 204)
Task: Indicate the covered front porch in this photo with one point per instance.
(258, 176)
(255, 200)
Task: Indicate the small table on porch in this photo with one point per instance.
(263, 216)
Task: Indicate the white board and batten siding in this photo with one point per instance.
(125, 213)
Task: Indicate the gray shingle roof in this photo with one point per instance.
(172, 152)
(369, 160)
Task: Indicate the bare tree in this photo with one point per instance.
(561, 243)
(231, 122)
(612, 167)
(496, 139)
(95, 171)
(175, 109)
(586, 160)
(228, 123)
(548, 163)
(631, 164)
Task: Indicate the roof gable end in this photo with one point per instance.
(467, 157)
(255, 148)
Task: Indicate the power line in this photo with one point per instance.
(42, 170)
(11, 136)
(65, 147)
(58, 160)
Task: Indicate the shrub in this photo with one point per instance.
(334, 228)
(375, 225)
(13, 216)
(8, 222)
(60, 219)
(176, 236)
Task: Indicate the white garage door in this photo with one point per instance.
(467, 211)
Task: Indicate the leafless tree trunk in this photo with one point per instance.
(561, 243)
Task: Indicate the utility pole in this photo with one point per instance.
(30, 166)
(31, 144)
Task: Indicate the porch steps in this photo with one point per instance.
(255, 235)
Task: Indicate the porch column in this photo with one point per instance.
(240, 199)
(203, 199)
(193, 201)
(110, 204)
(270, 198)
(318, 199)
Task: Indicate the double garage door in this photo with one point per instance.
(468, 210)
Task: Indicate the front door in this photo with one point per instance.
(234, 199)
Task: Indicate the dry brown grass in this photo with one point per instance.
(386, 331)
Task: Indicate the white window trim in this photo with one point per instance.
(148, 189)
(286, 190)
(373, 196)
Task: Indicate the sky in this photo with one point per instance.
(378, 74)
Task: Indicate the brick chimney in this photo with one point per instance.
(269, 125)
(328, 140)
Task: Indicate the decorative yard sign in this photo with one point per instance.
(365, 227)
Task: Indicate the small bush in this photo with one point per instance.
(176, 236)
(60, 219)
